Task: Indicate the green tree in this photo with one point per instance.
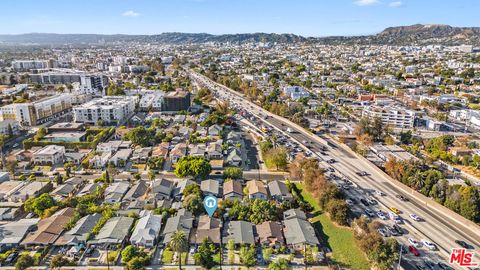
(197, 167)
(279, 264)
(41, 132)
(142, 136)
(23, 262)
(59, 261)
(232, 173)
(179, 244)
(247, 256)
(338, 210)
(128, 253)
(267, 254)
(204, 255)
(39, 204)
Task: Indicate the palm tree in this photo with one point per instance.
(179, 244)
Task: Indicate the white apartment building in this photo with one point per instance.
(50, 154)
(151, 101)
(25, 65)
(395, 117)
(108, 109)
(33, 113)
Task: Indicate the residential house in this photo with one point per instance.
(12, 234)
(9, 213)
(178, 190)
(147, 230)
(270, 234)
(210, 187)
(49, 229)
(67, 189)
(79, 234)
(113, 233)
(90, 188)
(209, 228)
(214, 151)
(294, 213)
(234, 158)
(136, 192)
(241, 232)
(141, 155)
(256, 190)
(49, 155)
(279, 191)
(121, 157)
(215, 130)
(232, 190)
(162, 188)
(32, 189)
(178, 151)
(183, 220)
(115, 192)
(197, 150)
(8, 188)
(298, 233)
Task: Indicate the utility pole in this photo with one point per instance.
(108, 261)
(400, 257)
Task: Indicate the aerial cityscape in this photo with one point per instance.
(215, 134)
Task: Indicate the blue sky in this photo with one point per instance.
(304, 17)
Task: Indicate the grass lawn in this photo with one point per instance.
(340, 240)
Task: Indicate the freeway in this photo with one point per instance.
(441, 227)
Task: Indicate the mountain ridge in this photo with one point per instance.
(417, 34)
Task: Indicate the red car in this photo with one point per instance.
(414, 250)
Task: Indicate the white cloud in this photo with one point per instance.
(396, 4)
(366, 2)
(130, 13)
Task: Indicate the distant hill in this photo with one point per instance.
(418, 34)
(167, 38)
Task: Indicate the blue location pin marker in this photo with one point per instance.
(210, 203)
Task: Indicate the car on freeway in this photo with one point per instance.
(430, 264)
(444, 266)
(381, 215)
(464, 244)
(372, 201)
(349, 202)
(415, 217)
(401, 197)
(330, 169)
(395, 210)
(413, 250)
(391, 231)
(362, 173)
(397, 228)
(429, 244)
(369, 213)
(383, 232)
(414, 242)
(331, 161)
(379, 193)
(364, 202)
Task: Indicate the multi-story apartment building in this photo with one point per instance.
(391, 116)
(33, 113)
(152, 101)
(176, 101)
(26, 65)
(68, 76)
(111, 109)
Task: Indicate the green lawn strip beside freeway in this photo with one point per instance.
(340, 240)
